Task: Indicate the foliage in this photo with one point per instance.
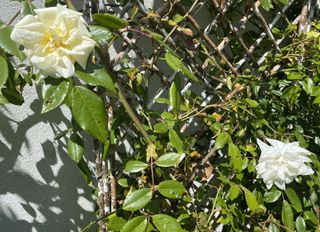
(175, 180)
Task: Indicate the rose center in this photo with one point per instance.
(53, 39)
(280, 160)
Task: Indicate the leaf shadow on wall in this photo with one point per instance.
(41, 187)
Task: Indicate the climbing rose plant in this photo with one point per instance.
(252, 165)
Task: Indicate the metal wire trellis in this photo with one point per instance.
(235, 36)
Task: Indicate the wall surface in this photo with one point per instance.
(41, 189)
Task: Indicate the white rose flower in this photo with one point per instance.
(54, 39)
(281, 162)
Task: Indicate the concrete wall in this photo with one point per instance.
(41, 189)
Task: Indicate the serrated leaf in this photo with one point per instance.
(8, 45)
(272, 196)
(165, 223)
(54, 91)
(88, 111)
(293, 199)
(176, 141)
(100, 34)
(137, 199)
(75, 147)
(99, 77)
(4, 73)
(235, 157)
(137, 224)
(109, 21)
(221, 140)
(287, 215)
(168, 160)
(300, 224)
(135, 166)
(234, 191)
(171, 189)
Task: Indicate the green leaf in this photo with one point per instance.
(235, 157)
(251, 201)
(221, 140)
(252, 103)
(8, 45)
(266, 4)
(295, 76)
(171, 189)
(174, 97)
(54, 91)
(100, 34)
(273, 228)
(89, 112)
(309, 215)
(109, 21)
(75, 147)
(165, 223)
(4, 73)
(12, 96)
(135, 166)
(85, 171)
(49, 3)
(27, 8)
(284, 2)
(137, 224)
(287, 215)
(272, 196)
(116, 223)
(234, 191)
(168, 160)
(161, 128)
(3, 100)
(300, 224)
(137, 199)
(176, 141)
(307, 85)
(176, 64)
(99, 77)
(294, 199)
(123, 182)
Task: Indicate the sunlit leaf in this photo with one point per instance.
(137, 199)
(171, 189)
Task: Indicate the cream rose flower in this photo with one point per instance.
(54, 39)
(281, 162)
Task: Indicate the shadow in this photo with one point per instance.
(41, 187)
